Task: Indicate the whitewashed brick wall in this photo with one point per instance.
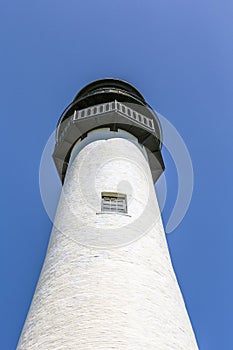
(102, 296)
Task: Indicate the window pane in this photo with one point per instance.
(114, 203)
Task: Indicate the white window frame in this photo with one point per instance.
(112, 202)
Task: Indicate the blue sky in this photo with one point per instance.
(179, 54)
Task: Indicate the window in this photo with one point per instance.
(113, 202)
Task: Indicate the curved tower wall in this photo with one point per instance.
(107, 280)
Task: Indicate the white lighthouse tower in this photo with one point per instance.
(107, 280)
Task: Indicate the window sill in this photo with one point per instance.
(116, 213)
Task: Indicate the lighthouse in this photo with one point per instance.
(107, 281)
